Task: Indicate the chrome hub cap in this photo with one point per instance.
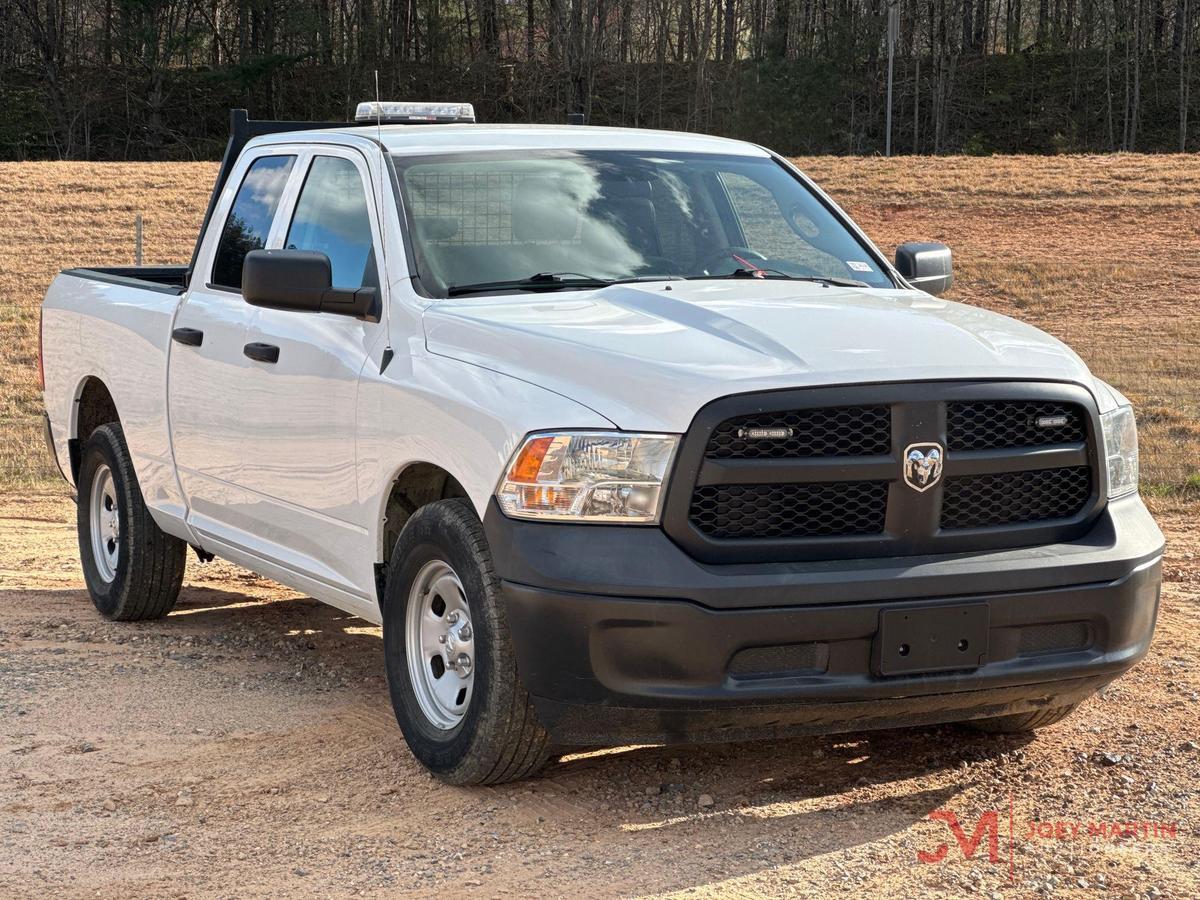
(105, 518)
(440, 645)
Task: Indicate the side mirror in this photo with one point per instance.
(925, 266)
(302, 281)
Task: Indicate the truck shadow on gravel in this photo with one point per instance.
(326, 648)
(811, 767)
(843, 760)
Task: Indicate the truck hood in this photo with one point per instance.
(647, 357)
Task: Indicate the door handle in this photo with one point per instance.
(193, 337)
(267, 353)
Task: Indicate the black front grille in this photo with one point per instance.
(844, 508)
(838, 431)
(813, 474)
(983, 501)
(997, 424)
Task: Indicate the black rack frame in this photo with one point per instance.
(242, 129)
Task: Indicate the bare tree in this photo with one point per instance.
(152, 77)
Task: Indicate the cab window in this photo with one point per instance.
(331, 217)
(250, 217)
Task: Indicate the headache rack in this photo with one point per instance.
(242, 129)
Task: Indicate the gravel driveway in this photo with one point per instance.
(245, 746)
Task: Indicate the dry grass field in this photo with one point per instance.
(245, 746)
(57, 215)
(1102, 251)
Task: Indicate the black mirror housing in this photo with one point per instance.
(286, 279)
(302, 281)
(927, 266)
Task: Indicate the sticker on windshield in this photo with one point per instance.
(857, 265)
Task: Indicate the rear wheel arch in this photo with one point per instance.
(94, 406)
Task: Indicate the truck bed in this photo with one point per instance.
(164, 279)
(113, 325)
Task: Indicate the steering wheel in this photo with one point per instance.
(728, 254)
(656, 265)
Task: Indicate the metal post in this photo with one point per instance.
(137, 240)
(893, 32)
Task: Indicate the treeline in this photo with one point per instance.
(129, 79)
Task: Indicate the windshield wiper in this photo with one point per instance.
(542, 281)
(832, 280)
(775, 274)
(550, 281)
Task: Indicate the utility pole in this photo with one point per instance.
(893, 33)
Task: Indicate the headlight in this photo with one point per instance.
(1120, 451)
(588, 476)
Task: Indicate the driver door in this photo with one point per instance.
(300, 464)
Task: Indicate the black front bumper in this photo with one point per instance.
(623, 637)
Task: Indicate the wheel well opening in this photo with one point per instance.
(94, 407)
(416, 486)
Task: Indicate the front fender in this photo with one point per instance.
(461, 417)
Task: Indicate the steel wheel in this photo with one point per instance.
(440, 645)
(105, 519)
(472, 722)
(132, 569)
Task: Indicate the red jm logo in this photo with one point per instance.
(989, 825)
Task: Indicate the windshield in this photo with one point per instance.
(494, 220)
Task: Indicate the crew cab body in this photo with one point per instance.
(795, 560)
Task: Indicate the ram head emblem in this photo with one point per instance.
(923, 465)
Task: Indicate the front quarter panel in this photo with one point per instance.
(465, 418)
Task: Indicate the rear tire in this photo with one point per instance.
(1020, 723)
(132, 568)
(451, 667)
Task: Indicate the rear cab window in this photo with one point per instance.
(249, 221)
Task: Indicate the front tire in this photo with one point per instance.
(132, 568)
(451, 667)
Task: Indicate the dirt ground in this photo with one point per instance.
(245, 746)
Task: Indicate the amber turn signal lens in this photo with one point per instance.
(527, 465)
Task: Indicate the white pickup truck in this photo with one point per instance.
(622, 435)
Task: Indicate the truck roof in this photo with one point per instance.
(462, 138)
